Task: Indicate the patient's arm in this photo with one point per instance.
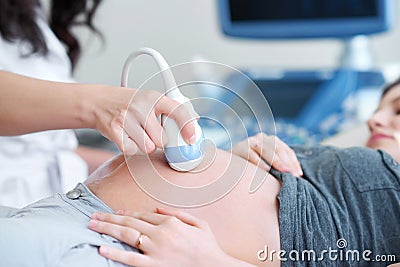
(168, 238)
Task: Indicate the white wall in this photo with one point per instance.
(182, 29)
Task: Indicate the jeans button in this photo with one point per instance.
(74, 194)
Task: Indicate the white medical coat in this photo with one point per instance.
(37, 165)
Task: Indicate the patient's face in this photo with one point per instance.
(384, 124)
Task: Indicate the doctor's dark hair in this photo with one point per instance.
(18, 23)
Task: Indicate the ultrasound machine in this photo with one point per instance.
(310, 105)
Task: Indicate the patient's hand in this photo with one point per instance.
(259, 149)
(166, 238)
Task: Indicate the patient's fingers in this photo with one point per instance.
(270, 150)
(280, 164)
(291, 159)
(264, 146)
(150, 217)
(295, 162)
(106, 220)
(250, 149)
(162, 216)
(123, 233)
(125, 257)
(183, 216)
(256, 159)
(284, 158)
(175, 242)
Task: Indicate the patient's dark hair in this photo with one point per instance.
(18, 23)
(390, 86)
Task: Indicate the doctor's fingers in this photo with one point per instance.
(181, 115)
(128, 147)
(155, 131)
(137, 134)
(118, 135)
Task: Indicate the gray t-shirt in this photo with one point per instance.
(346, 204)
(54, 232)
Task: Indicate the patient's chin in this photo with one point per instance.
(389, 146)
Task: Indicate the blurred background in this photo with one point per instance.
(191, 30)
(183, 30)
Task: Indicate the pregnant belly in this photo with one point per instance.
(244, 223)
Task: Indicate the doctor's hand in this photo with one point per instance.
(121, 114)
(268, 150)
(128, 117)
(166, 238)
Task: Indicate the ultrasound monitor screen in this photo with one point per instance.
(281, 19)
(286, 10)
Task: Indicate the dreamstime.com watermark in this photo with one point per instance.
(340, 253)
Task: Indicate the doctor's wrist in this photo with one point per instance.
(89, 104)
(104, 109)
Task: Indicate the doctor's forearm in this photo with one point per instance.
(30, 105)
